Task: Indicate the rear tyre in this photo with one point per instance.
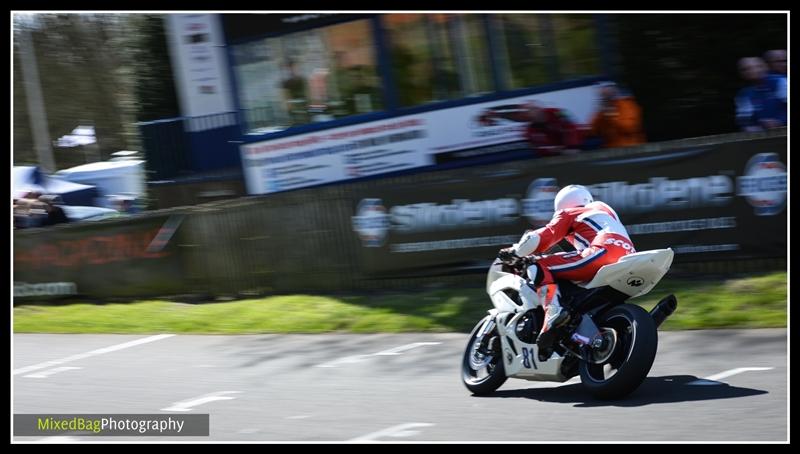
(622, 369)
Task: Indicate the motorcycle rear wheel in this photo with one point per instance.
(624, 369)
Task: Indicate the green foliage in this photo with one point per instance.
(108, 70)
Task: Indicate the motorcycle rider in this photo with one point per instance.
(599, 238)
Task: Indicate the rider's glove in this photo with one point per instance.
(507, 255)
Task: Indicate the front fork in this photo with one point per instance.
(487, 327)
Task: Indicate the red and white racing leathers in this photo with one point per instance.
(595, 231)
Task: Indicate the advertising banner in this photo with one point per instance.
(137, 257)
(707, 203)
(401, 143)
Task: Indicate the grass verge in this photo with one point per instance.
(744, 302)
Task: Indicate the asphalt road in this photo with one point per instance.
(397, 387)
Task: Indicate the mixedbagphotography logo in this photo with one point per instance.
(371, 222)
(764, 184)
(105, 425)
(538, 204)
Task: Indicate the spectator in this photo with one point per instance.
(776, 59)
(21, 214)
(364, 95)
(318, 94)
(30, 196)
(618, 121)
(124, 204)
(762, 104)
(341, 85)
(29, 211)
(55, 214)
(550, 130)
(318, 87)
(294, 94)
(35, 210)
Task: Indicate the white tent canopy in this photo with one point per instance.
(82, 135)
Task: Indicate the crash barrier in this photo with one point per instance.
(131, 257)
(718, 201)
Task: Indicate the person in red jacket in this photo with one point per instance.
(550, 130)
(599, 238)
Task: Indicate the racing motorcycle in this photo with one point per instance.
(609, 342)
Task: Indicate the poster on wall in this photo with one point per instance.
(197, 51)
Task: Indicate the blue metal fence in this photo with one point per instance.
(184, 145)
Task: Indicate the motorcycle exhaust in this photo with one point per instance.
(664, 309)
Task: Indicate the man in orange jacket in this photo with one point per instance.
(619, 121)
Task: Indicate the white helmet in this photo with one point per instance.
(572, 196)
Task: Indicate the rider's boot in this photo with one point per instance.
(554, 316)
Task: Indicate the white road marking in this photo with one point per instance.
(248, 431)
(345, 360)
(298, 417)
(714, 379)
(552, 384)
(99, 351)
(57, 439)
(389, 352)
(49, 372)
(402, 348)
(188, 404)
(402, 430)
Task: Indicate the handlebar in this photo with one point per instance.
(520, 264)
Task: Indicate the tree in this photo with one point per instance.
(107, 69)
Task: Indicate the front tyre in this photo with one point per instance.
(482, 369)
(633, 341)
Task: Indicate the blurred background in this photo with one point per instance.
(229, 154)
(682, 68)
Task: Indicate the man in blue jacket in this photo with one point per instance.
(762, 104)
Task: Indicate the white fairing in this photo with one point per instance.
(495, 273)
(521, 360)
(634, 274)
(497, 281)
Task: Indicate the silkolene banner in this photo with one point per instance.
(706, 203)
(400, 143)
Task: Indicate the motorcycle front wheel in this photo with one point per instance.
(618, 368)
(482, 369)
